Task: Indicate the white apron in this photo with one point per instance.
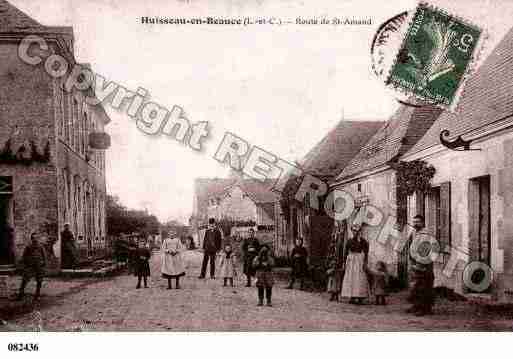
(172, 265)
(355, 284)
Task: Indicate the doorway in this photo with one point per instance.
(480, 241)
(6, 223)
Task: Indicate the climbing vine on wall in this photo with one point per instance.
(414, 176)
(8, 156)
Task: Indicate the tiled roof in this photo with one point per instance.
(258, 191)
(487, 97)
(205, 188)
(331, 154)
(14, 20)
(393, 139)
(338, 147)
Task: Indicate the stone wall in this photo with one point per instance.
(26, 103)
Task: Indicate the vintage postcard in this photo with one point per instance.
(254, 166)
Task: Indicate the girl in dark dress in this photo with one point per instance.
(263, 265)
(142, 264)
(299, 258)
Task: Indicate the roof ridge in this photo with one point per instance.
(394, 138)
(13, 18)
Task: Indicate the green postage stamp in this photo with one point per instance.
(435, 56)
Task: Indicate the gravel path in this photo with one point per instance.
(204, 305)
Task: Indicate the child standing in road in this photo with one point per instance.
(227, 265)
(263, 265)
(379, 282)
(142, 264)
(332, 281)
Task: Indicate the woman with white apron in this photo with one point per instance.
(356, 285)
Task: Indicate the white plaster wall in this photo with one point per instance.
(380, 189)
(458, 167)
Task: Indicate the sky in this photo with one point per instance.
(279, 88)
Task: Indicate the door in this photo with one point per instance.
(6, 231)
(479, 222)
(6, 223)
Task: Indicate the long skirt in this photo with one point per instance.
(172, 266)
(355, 284)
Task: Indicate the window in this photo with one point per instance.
(84, 134)
(359, 187)
(67, 114)
(72, 123)
(437, 213)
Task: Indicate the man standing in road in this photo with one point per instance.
(211, 245)
(34, 264)
(422, 294)
(250, 249)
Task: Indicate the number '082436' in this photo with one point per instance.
(23, 347)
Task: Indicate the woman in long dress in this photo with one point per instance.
(356, 285)
(172, 262)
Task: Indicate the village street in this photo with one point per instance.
(204, 305)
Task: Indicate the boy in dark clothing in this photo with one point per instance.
(34, 264)
(250, 249)
(299, 258)
(142, 265)
(211, 245)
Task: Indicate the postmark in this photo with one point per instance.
(435, 57)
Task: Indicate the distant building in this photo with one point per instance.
(247, 200)
(50, 173)
(205, 189)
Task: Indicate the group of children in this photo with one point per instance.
(262, 264)
(378, 281)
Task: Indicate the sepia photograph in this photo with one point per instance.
(270, 166)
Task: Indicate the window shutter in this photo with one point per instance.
(473, 209)
(445, 216)
(419, 204)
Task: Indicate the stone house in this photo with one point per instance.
(298, 219)
(470, 207)
(370, 179)
(49, 171)
(247, 200)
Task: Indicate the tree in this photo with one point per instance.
(123, 220)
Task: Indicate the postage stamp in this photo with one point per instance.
(435, 57)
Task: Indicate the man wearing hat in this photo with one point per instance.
(211, 245)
